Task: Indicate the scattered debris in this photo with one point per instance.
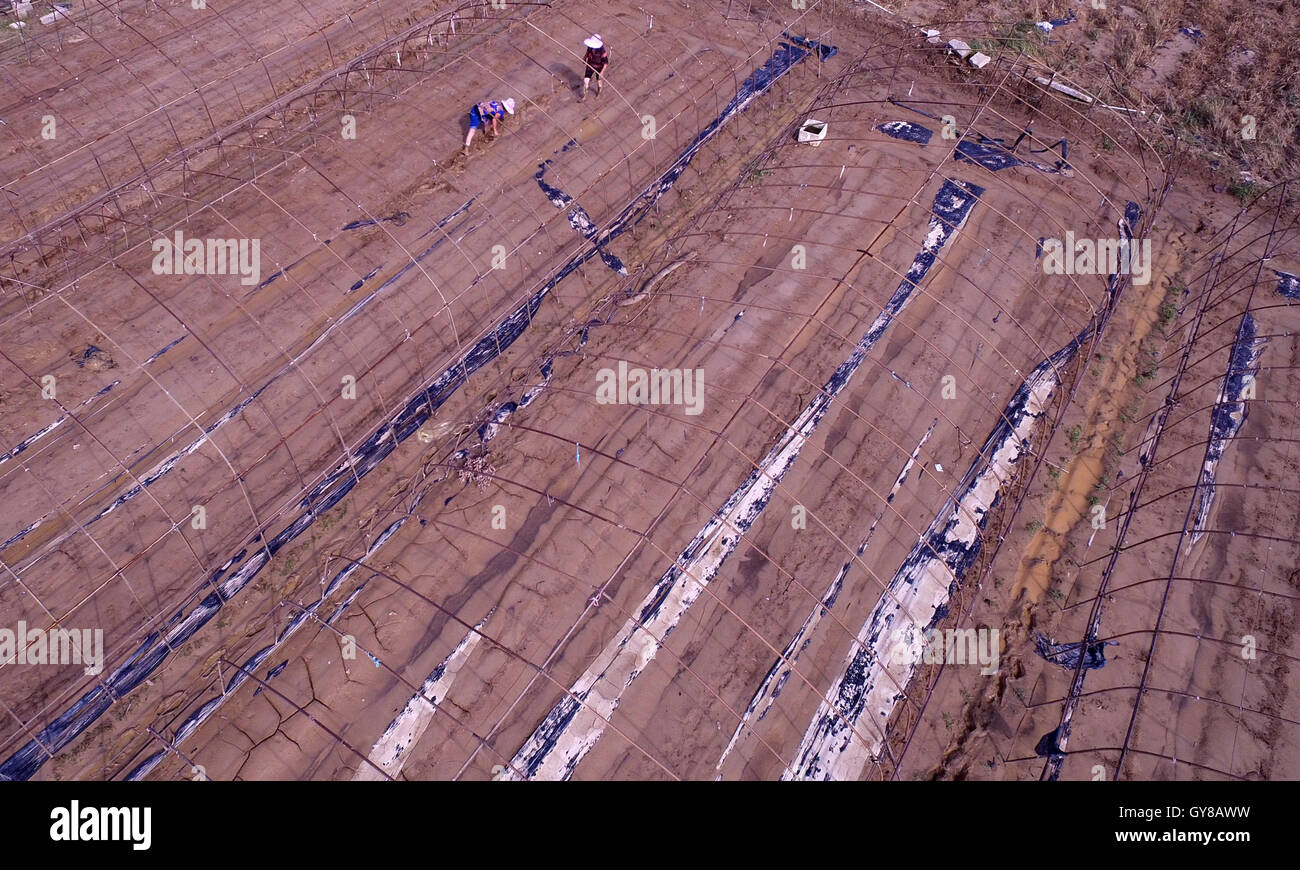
(61, 10)
(960, 49)
(1064, 89)
(1067, 654)
(824, 52)
(478, 471)
(1052, 23)
(94, 358)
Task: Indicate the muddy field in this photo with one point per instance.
(388, 505)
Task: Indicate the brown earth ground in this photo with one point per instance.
(551, 533)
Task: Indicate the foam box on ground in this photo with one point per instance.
(812, 131)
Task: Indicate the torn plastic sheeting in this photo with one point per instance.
(824, 52)
(271, 675)
(1288, 285)
(1228, 416)
(1132, 214)
(989, 153)
(907, 131)
(1063, 144)
(399, 219)
(357, 286)
(993, 155)
(1067, 654)
(991, 158)
(578, 219)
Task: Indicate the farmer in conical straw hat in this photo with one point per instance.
(488, 111)
(596, 59)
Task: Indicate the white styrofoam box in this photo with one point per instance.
(812, 131)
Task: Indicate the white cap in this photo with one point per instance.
(510, 106)
(593, 41)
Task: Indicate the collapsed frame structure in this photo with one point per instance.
(187, 185)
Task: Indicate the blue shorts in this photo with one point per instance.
(477, 119)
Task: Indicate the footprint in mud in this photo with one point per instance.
(434, 185)
(459, 161)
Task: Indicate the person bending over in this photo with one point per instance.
(487, 113)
